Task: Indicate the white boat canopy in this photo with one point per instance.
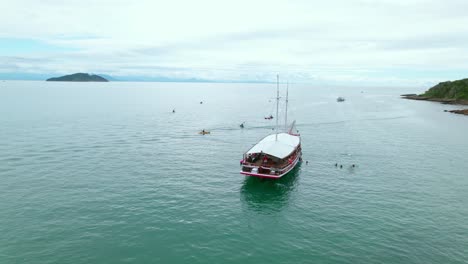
(280, 148)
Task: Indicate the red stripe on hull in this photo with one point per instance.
(260, 175)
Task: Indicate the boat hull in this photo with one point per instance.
(273, 176)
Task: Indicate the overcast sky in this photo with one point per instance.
(386, 42)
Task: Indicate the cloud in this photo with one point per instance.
(310, 41)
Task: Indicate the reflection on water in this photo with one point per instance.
(266, 195)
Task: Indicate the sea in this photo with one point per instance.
(107, 173)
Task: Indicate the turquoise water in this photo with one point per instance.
(106, 173)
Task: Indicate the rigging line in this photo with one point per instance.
(277, 104)
(286, 110)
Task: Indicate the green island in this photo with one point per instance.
(78, 77)
(450, 92)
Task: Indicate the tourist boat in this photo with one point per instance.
(276, 154)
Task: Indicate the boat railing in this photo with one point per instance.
(285, 167)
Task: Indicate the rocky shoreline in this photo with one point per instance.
(440, 100)
(461, 112)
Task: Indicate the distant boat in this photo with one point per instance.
(276, 154)
(340, 99)
(269, 117)
(242, 125)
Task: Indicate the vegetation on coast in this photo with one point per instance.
(456, 90)
(450, 92)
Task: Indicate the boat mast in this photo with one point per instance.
(286, 111)
(277, 103)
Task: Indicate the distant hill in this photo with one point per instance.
(457, 90)
(109, 78)
(78, 77)
(125, 78)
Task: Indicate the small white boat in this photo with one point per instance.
(276, 154)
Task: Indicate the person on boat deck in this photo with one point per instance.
(265, 159)
(254, 157)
